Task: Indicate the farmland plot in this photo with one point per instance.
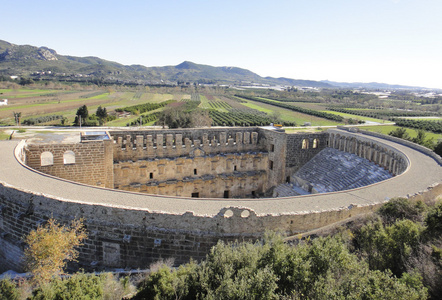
(290, 116)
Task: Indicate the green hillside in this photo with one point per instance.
(44, 63)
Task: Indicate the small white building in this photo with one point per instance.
(4, 102)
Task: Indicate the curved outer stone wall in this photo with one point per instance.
(132, 230)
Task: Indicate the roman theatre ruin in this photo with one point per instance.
(156, 194)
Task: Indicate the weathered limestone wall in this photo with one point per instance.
(276, 144)
(301, 147)
(89, 162)
(225, 175)
(134, 238)
(135, 145)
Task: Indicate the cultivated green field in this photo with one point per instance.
(24, 93)
(289, 115)
(386, 129)
(350, 116)
(40, 103)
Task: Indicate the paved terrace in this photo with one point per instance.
(424, 171)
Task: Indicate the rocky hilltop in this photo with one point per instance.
(18, 53)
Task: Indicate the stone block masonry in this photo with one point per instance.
(234, 175)
(135, 145)
(89, 162)
(210, 163)
(131, 230)
(302, 147)
(132, 238)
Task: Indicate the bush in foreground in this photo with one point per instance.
(319, 269)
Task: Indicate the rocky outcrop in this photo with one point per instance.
(26, 52)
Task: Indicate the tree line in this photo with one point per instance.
(145, 107)
(381, 114)
(39, 120)
(82, 117)
(433, 126)
(239, 118)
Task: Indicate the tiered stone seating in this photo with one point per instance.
(332, 170)
(288, 190)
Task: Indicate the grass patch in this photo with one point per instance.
(26, 93)
(4, 136)
(204, 102)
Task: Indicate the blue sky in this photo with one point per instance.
(391, 41)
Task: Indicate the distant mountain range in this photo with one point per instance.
(44, 63)
(370, 85)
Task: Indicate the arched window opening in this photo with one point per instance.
(304, 144)
(46, 159)
(69, 157)
(315, 143)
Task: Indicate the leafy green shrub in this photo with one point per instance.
(9, 290)
(78, 286)
(90, 122)
(401, 133)
(167, 284)
(363, 284)
(84, 286)
(402, 208)
(389, 247)
(433, 221)
(270, 269)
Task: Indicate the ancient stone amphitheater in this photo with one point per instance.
(148, 195)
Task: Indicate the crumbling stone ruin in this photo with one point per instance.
(149, 195)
